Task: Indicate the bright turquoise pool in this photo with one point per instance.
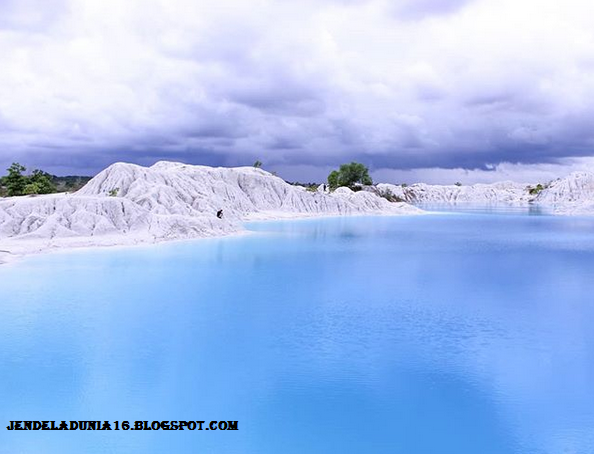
(459, 333)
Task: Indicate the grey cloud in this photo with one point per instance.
(430, 93)
(228, 86)
(275, 97)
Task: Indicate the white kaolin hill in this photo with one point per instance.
(127, 204)
(502, 193)
(573, 194)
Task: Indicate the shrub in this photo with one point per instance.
(31, 188)
(535, 190)
(390, 196)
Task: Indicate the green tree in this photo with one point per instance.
(258, 164)
(32, 188)
(349, 175)
(15, 180)
(333, 179)
(43, 181)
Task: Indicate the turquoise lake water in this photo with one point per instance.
(453, 333)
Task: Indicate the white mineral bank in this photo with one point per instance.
(177, 201)
(505, 193)
(167, 201)
(573, 194)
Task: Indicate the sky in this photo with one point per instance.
(418, 90)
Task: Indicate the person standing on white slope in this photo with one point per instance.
(220, 214)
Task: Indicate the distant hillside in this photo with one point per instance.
(70, 183)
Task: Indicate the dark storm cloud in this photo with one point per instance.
(294, 85)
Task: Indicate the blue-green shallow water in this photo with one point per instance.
(459, 333)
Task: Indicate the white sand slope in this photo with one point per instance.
(504, 193)
(130, 204)
(573, 194)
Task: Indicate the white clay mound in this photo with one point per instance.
(573, 194)
(505, 192)
(128, 204)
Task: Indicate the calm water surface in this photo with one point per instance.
(452, 333)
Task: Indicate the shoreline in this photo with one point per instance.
(33, 247)
(171, 201)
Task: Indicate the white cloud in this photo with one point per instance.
(397, 84)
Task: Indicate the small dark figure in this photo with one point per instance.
(220, 214)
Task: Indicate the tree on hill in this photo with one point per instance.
(39, 182)
(349, 175)
(2, 186)
(258, 164)
(15, 180)
(43, 181)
